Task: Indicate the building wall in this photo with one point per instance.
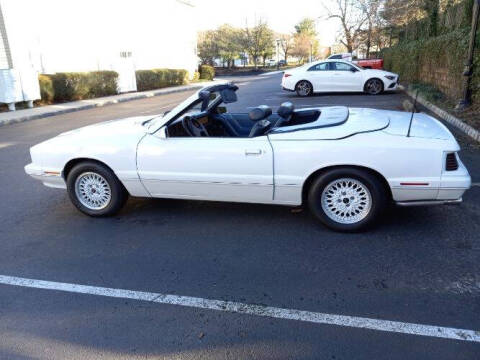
(5, 59)
(86, 35)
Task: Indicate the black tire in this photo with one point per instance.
(362, 179)
(304, 88)
(374, 86)
(118, 194)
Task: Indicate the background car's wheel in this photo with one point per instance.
(347, 199)
(304, 88)
(95, 190)
(374, 86)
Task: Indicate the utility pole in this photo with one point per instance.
(278, 53)
(466, 100)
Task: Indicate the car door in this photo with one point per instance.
(206, 168)
(345, 77)
(320, 77)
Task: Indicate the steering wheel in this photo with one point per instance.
(193, 127)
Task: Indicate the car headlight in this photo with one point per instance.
(390, 77)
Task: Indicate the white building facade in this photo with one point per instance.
(87, 35)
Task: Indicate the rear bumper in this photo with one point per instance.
(286, 89)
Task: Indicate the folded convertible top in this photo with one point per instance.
(334, 123)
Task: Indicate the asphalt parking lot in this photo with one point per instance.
(420, 265)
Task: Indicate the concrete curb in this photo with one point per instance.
(57, 109)
(449, 118)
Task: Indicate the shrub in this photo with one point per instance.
(46, 88)
(160, 78)
(102, 83)
(196, 76)
(437, 61)
(207, 72)
(62, 87)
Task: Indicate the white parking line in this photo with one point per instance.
(257, 310)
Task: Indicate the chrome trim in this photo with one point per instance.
(429, 202)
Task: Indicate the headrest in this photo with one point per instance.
(285, 110)
(259, 113)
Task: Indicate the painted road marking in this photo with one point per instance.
(257, 310)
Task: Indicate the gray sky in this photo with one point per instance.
(281, 15)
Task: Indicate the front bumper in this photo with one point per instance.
(50, 178)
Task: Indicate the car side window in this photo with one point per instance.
(319, 67)
(340, 66)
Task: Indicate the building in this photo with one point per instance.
(87, 35)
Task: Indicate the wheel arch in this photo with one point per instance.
(309, 180)
(72, 162)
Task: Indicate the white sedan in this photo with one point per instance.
(337, 76)
(347, 164)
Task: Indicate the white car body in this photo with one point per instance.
(270, 169)
(324, 78)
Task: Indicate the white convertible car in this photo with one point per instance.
(347, 164)
(337, 76)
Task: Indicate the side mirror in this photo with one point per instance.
(221, 109)
(353, 70)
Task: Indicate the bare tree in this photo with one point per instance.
(351, 18)
(286, 44)
(370, 9)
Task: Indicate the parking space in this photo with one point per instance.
(420, 266)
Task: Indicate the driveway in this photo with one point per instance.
(420, 266)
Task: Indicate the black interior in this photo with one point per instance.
(211, 120)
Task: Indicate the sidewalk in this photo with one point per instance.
(39, 112)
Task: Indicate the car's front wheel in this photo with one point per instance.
(374, 87)
(304, 88)
(95, 190)
(347, 199)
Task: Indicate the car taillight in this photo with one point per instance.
(451, 163)
(287, 75)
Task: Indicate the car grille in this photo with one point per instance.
(451, 163)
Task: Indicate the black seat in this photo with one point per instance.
(260, 115)
(285, 111)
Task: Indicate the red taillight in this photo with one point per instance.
(287, 75)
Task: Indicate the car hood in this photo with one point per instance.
(113, 127)
(379, 73)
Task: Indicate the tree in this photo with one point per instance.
(351, 18)
(207, 47)
(400, 12)
(306, 27)
(305, 43)
(370, 9)
(228, 43)
(286, 45)
(258, 40)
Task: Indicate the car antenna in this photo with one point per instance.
(413, 113)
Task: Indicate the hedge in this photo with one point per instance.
(160, 78)
(72, 86)
(438, 61)
(207, 72)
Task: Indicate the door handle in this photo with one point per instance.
(253, 152)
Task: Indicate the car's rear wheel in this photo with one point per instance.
(95, 190)
(347, 199)
(374, 87)
(304, 88)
